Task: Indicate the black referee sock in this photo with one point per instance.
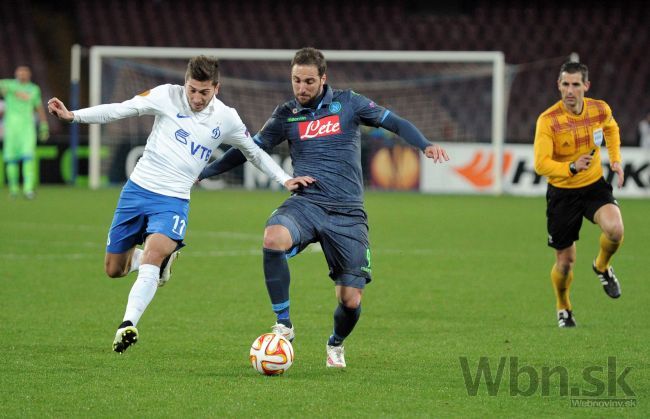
(277, 278)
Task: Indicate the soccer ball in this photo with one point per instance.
(271, 354)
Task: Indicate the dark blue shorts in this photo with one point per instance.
(141, 212)
(341, 232)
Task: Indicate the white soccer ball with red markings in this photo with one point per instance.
(271, 354)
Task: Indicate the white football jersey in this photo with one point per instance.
(181, 140)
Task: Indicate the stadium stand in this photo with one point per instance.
(20, 45)
(611, 37)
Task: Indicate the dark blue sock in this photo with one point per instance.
(344, 321)
(277, 277)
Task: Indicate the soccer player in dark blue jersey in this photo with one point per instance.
(321, 125)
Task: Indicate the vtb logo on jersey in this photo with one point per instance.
(320, 127)
(200, 151)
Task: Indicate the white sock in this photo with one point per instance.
(142, 292)
(136, 259)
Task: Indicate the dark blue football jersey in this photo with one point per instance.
(325, 143)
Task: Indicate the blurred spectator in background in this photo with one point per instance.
(644, 132)
(22, 98)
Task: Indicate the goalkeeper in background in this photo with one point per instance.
(22, 98)
(567, 151)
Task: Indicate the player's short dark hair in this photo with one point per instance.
(202, 68)
(573, 67)
(310, 56)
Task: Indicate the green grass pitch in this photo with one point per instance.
(455, 277)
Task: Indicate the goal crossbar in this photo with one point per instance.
(496, 58)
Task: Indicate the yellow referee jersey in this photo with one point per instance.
(561, 137)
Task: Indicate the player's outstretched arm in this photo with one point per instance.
(616, 167)
(58, 109)
(234, 157)
(437, 153)
(231, 159)
(413, 136)
(43, 126)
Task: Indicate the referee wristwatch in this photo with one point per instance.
(572, 168)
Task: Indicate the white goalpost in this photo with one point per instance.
(408, 76)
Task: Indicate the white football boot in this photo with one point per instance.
(335, 356)
(282, 330)
(125, 337)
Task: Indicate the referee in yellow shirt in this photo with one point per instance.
(568, 137)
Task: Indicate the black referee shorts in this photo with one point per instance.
(566, 207)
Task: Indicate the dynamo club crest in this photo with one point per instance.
(216, 133)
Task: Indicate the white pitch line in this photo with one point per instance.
(93, 244)
(232, 235)
(312, 249)
(49, 226)
(48, 256)
(225, 235)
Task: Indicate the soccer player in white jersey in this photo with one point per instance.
(153, 207)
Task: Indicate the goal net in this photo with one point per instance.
(449, 96)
